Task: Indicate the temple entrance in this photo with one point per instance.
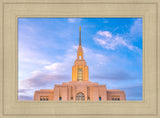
(80, 96)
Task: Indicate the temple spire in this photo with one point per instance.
(79, 36)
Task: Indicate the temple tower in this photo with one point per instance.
(80, 69)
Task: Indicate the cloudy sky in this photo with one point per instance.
(47, 50)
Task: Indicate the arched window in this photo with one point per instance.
(60, 98)
(80, 96)
(99, 98)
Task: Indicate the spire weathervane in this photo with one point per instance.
(79, 35)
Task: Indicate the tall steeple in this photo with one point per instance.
(80, 50)
(80, 68)
(79, 36)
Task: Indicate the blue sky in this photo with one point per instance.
(47, 50)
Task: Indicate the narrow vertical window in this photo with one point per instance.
(60, 98)
(80, 74)
(99, 98)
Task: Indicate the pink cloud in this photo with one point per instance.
(39, 80)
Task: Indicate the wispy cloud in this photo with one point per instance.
(55, 67)
(136, 28)
(106, 34)
(40, 80)
(110, 41)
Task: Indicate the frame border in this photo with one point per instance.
(72, 16)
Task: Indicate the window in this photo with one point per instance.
(99, 98)
(71, 98)
(43, 98)
(117, 98)
(60, 98)
(83, 98)
(88, 98)
(80, 96)
(76, 97)
(80, 74)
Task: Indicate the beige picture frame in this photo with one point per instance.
(11, 10)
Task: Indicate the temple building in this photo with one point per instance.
(80, 88)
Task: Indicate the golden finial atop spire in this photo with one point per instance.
(79, 29)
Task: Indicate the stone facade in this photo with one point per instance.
(80, 88)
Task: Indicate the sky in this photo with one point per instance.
(47, 49)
